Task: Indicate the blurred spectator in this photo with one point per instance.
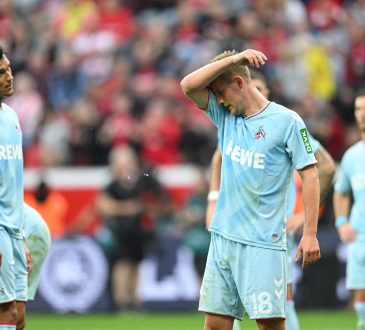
(70, 15)
(53, 207)
(118, 127)
(116, 17)
(67, 83)
(94, 48)
(126, 207)
(197, 237)
(87, 146)
(29, 105)
(160, 134)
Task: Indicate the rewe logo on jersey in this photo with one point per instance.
(245, 157)
(11, 151)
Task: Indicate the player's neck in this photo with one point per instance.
(255, 102)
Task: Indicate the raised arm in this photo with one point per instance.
(195, 85)
(308, 247)
(215, 182)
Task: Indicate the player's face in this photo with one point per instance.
(6, 78)
(360, 112)
(229, 95)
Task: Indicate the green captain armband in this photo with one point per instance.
(340, 220)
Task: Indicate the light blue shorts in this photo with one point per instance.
(38, 244)
(289, 255)
(355, 269)
(13, 269)
(241, 279)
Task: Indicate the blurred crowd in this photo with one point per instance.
(91, 75)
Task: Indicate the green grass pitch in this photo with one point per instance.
(311, 320)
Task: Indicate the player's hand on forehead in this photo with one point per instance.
(250, 57)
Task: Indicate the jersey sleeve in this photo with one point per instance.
(314, 143)
(215, 111)
(298, 143)
(342, 181)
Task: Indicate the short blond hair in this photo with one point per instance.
(234, 70)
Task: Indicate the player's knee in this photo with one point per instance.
(271, 324)
(20, 324)
(9, 313)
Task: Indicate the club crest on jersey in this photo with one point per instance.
(260, 134)
(17, 127)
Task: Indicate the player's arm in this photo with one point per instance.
(195, 85)
(108, 206)
(342, 205)
(308, 247)
(214, 185)
(326, 170)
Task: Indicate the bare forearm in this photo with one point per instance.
(326, 170)
(310, 201)
(341, 204)
(215, 170)
(202, 77)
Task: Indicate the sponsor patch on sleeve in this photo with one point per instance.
(305, 137)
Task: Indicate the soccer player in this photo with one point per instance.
(350, 216)
(261, 142)
(38, 242)
(326, 170)
(13, 268)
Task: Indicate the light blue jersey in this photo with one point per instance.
(11, 171)
(258, 156)
(351, 178)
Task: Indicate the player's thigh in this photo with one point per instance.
(359, 295)
(20, 268)
(7, 269)
(355, 271)
(271, 324)
(262, 282)
(8, 313)
(214, 321)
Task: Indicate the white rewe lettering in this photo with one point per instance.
(245, 157)
(17, 151)
(259, 161)
(229, 148)
(236, 153)
(11, 151)
(2, 152)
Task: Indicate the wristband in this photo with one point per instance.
(213, 195)
(340, 220)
